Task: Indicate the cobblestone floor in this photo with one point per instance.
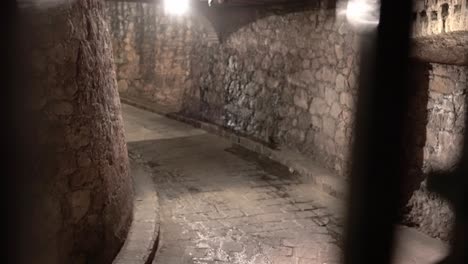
(222, 204)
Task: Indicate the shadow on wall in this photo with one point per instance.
(416, 123)
(436, 137)
(452, 185)
(227, 19)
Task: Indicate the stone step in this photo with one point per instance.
(143, 238)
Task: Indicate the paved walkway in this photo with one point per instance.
(222, 204)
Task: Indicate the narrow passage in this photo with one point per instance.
(222, 204)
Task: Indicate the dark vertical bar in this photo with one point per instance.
(10, 159)
(376, 173)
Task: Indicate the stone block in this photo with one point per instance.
(335, 110)
(318, 106)
(442, 85)
(329, 126)
(317, 122)
(301, 99)
(340, 83)
(330, 147)
(259, 77)
(339, 52)
(122, 86)
(80, 202)
(272, 83)
(340, 135)
(331, 96)
(347, 100)
(304, 120)
(307, 76)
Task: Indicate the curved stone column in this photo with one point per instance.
(79, 193)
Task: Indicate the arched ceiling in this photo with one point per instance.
(257, 2)
(248, 3)
(240, 2)
(227, 16)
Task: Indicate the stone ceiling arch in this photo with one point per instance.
(221, 20)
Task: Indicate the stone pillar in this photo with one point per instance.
(79, 193)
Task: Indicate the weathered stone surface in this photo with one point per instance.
(335, 110)
(288, 79)
(152, 51)
(298, 71)
(300, 99)
(446, 90)
(81, 192)
(430, 213)
(331, 96)
(318, 106)
(443, 85)
(446, 115)
(440, 31)
(229, 205)
(329, 126)
(347, 100)
(80, 202)
(436, 17)
(340, 82)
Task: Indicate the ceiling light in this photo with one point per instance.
(176, 7)
(363, 13)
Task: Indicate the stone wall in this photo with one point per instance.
(274, 80)
(440, 31)
(287, 79)
(152, 51)
(290, 79)
(432, 17)
(445, 104)
(78, 201)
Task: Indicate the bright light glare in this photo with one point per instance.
(363, 12)
(176, 7)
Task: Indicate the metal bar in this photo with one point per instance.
(376, 172)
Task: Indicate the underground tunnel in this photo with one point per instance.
(222, 131)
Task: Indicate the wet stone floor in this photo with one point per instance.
(222, 204)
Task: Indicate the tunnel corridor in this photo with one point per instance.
(230, 131)
(221, 203)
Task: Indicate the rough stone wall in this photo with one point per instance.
(446, 99)
(440, 31)
(433, 17)
(152, 51)
(80, 203)
(287, 79)
(290, 80)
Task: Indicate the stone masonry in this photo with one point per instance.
(152, 51)
(289, 80)
(446, 109)
(80, 196)
(440, 30)
(224, 204)
(432, 17)
(285, 79)
(441, 27)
